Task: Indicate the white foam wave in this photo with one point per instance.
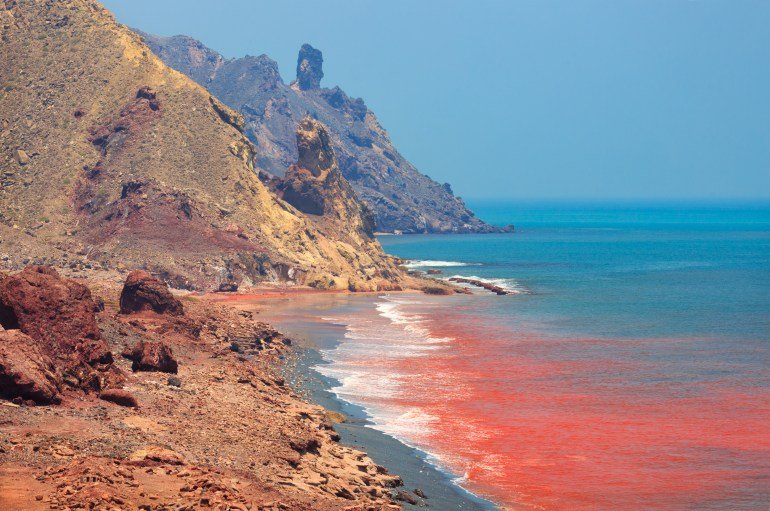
(393, 310)
(403, 423)
(436, 264)
(365, 365)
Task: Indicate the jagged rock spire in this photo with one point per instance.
(309, 67)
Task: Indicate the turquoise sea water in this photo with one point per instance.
(638, 270)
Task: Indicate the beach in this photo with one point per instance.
(561, 423)
(299, 314)
(628, 368)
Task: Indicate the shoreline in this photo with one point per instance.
(312, 335)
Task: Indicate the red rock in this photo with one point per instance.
(119, 397)
(26, 372)
(58, 319)
(152, 356)
(56, 312)
(153, 455)
(142, 291)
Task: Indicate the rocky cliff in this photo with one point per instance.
(400, 197)
(314, 185)
(109, 158)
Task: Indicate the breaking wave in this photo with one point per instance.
(436, 264)
(365, 368)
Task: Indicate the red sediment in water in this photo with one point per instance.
(538, 422)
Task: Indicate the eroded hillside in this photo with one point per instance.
(112, 159)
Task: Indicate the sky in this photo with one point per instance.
(562, 99)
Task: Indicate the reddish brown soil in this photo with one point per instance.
(225, 433)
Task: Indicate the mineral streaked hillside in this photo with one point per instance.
(109, 156)
(400, 197)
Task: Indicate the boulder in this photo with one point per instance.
(437, 290)
(62, 340)
(119, 397)
(227, 287)
(142, 292)
(25, 371)
(152, 356)
(57, 312)
(405, 496)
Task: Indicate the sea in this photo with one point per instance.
(629, 368)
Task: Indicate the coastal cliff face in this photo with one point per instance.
(315, 186)
(400, 197)
(111, 159)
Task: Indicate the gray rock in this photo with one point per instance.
(309, 68)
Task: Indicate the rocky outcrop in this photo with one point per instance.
(25, 371)
(315, 186)
(400, 197)
(315, 149)
(51, 336)
(480, 283)
(309, 68)
(142, 291)
(152, 356)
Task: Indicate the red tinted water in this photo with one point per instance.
(537, 422)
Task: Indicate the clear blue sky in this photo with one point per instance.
(536, 99)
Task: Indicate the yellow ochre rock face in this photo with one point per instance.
(109, 156)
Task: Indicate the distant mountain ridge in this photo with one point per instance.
(401, 198)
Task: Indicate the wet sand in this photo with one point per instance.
(298, 314)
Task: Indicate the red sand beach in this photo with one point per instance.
(537, 422)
